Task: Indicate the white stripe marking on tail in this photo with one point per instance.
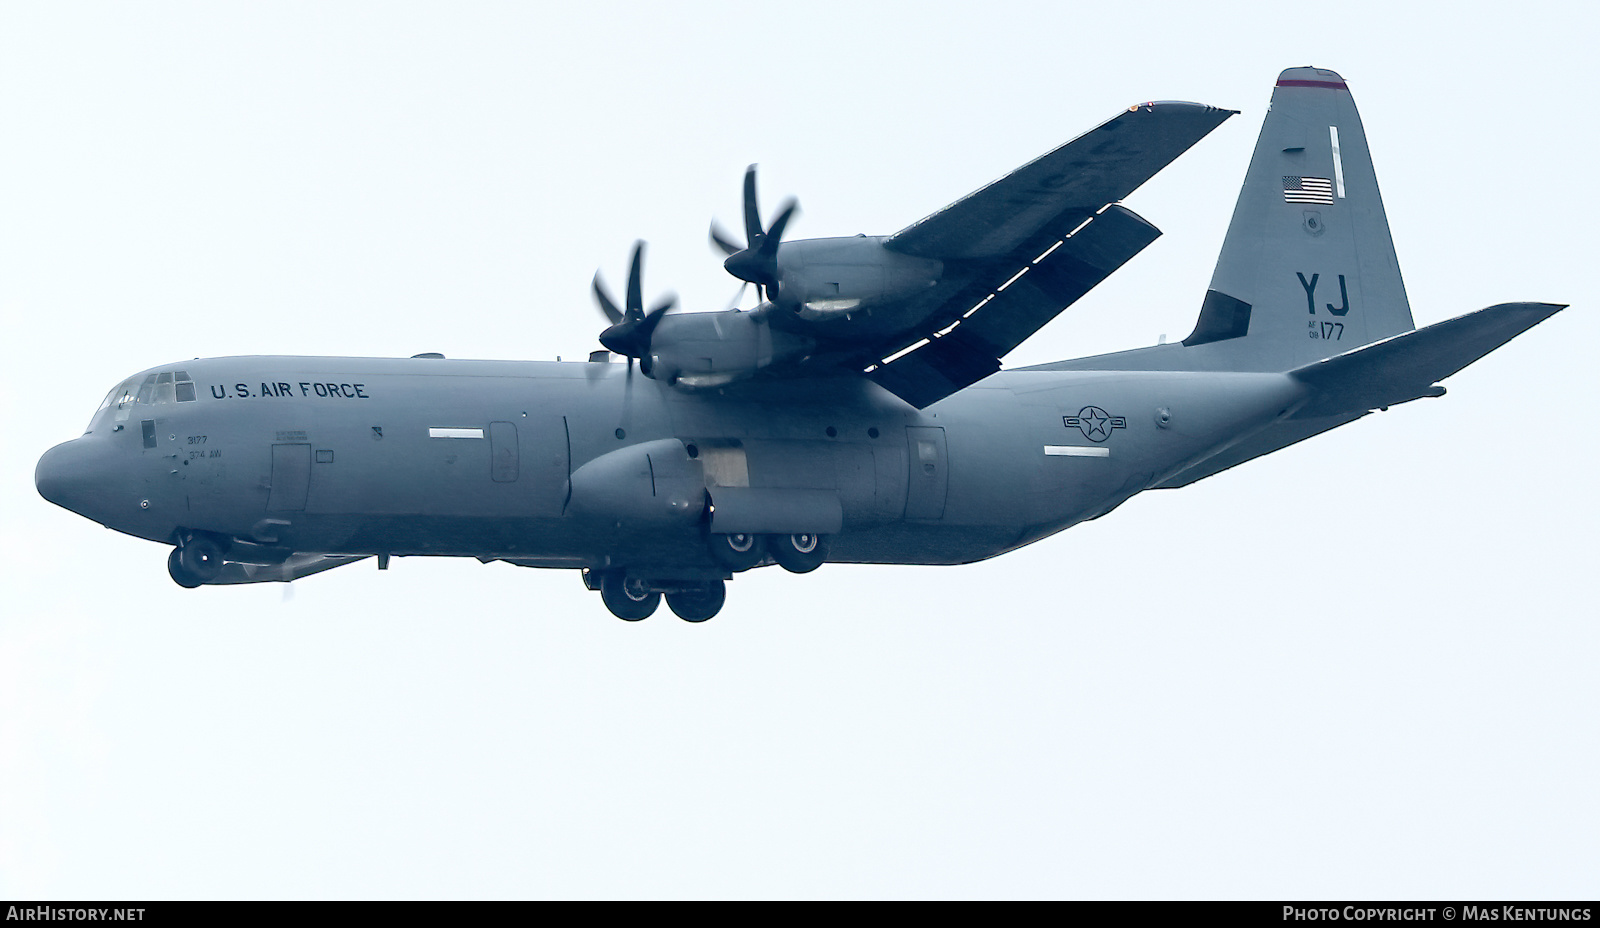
(1338, 166)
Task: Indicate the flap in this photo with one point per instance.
(970, 349)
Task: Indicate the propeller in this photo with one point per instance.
(755, 261)
(631, 327)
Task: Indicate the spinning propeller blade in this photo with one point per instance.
(757, 260)
(631, 327)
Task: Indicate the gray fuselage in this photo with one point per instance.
(360, 456)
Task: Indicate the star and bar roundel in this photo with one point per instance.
(1095, 423)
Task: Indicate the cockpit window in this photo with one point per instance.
(153, 389)
(124, 401)
(121, 396)
(104, 405)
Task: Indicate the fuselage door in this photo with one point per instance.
(503, 452)
(291, 478)
(928, 480)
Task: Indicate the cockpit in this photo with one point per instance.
(158, 389)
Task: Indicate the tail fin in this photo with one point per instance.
(1308, 268)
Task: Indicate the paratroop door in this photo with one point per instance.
(291, 477)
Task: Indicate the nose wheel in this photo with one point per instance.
(180, 574)
(198, 560)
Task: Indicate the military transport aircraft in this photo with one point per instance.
(857, 414)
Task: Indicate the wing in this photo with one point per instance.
(1020, 250)
(1064, 187)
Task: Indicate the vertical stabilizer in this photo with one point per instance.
(1308, 268)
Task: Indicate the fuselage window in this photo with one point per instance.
(185, 386)
(147, 390)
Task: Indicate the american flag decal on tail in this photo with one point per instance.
(1307, 190)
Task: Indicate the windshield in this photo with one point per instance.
(121, 398)
(150, 390)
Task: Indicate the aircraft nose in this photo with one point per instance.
(71, 475)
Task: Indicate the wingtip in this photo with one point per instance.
(1178, 105)
(1534, 306)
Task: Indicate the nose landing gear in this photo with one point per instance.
(195, 561)
(180, 574)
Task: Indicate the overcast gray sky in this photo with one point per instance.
(1363, 667)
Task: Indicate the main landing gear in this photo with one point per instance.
(628, 598)
(799, 553)
(634, 598)
(737, 551)
(698, 602)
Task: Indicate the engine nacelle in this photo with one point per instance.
(712, 349)
(652, 483)
(822, 277)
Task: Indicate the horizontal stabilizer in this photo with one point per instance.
(1406, 366)
(1386, 373)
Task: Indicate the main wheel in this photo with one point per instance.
(700, 603)
(201, 556)
(737, 550)
(799, 553)
(628, 599)
(180, 575)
